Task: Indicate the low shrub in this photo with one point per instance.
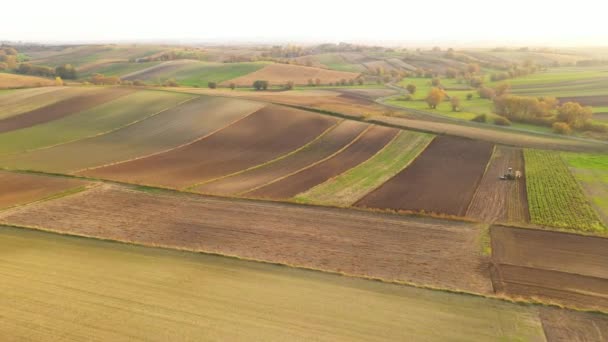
(480, 118)
(562, 128)
(500, 121)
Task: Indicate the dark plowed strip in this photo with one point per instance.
(361, 150)
(569, 326)
(594, 100)
(61, 109)
(256, 139)
(330, 143)
(442, 179)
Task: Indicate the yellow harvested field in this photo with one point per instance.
(8, 81)
(60, 288)
(278, 74)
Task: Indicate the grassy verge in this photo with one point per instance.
(555, 198)
(352, 185)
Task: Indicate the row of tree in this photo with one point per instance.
(64, 71)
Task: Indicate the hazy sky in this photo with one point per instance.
(430, 22)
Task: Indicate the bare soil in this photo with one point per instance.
(419, 250)
(255, 139)
(573, 326)
(566, 268)
(361, 150)
(330, 143)
(501, 200)
(593, 100)
(279, 74)
(441, 180)
(151, 73)
(61, 109)
(21, 188)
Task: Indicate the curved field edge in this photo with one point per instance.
(148, 292)
(99, 120)
(354, 184)
(555, 198)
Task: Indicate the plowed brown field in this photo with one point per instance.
(595, 100)
(501, 200)
(442, 179)
(20, 188)
(62, 108)
(566, 268)
(256, 139)
(328, 144)
(372, 141)
(419, 250)
(278, 74)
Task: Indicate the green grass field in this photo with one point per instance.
(199, 74)
(75, 288)
(554, 197)
(352, 185)
(337, 62)
(591, 171)
(117, 69)
(100, 119)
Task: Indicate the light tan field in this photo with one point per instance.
(8, 81)
(21, 188)
(279, 74)
(72, 289)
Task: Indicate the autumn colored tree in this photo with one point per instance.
(434, 97)
(317, 82)
(212, 85)
(473, 68)
(260, 85)
(58, 81)
(486, 93)
(574, 114)
(561, 128)
(66, 71)
(436, 82)
(502, 89)
(455, 102)
(232, 85)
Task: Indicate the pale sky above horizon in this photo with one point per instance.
(439, 22)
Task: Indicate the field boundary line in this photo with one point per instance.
(310, 165)
(504, 298)
(381, 184)
(466, 212)
(105, 132)
(172, 148)
(318, 137)
(64, 193)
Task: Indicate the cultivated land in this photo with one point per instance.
(24, 100)
(10, 81)
(174, 127)
(591, 171)
(19, 188)
(501, 200)
(570, 270)
(101, 119)
(442, 179)
(355, 183)
(347, 241)
(323, 147)
(279, 74)
(554, 196)
(62, 108)
(243, 144)
(157, 71)
(158, 295)
(366, 146)
(567, 326)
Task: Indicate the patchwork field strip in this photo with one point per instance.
(501, 200)
(443, 179)
(349, 187)
(338, 240)
(98, 120)
(332, 142)
(278, 74)
(20, 188)
(566, 325)
(24, 100)
(591, 172)
(11, 81)
(149, 74)
(177, 126)
(366, 146)
(566, 268)
(258, 138)
(81, 289)
(62, 108)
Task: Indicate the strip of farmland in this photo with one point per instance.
(24, 100)
(100, 119)
(19, 188)
(169, 129)
(568, 326)
(62, 108)
(80, 289)
(372, 141)
(571, 269)
(554, 196)
(154, 72)
(277, 74)
(338, 240)
(501, 200)
(260, 137)
(355, 183)
(442, 179)
(325, 146)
